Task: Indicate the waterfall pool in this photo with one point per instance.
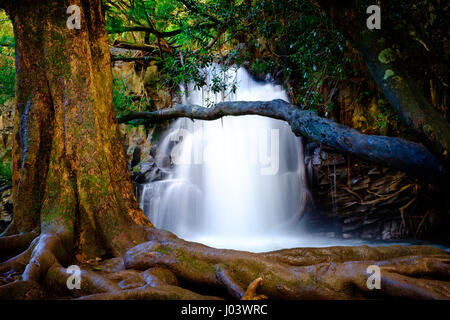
(234, 183)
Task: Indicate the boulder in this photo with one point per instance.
(146, 172)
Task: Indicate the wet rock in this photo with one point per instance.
(141, 80)
(350, 227)
(135, 152)
(146, 172)
(137, 143)
(370, 232)
(316, 158)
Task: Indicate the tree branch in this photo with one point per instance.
(129, 59)
(398, 153)
(391, 75)
(134, 46)
(159, 34)
(212, 42)
(193, 8)
(154, 49)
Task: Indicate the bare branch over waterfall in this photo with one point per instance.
(398, 153)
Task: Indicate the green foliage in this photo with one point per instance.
(300, 45)
(387, 118)
(382, 120)
(124, 102)
(121, 100)
(148, 13)
(5, 167)
(7, 68)
(292, 40)
(198, 22)
(7, 80)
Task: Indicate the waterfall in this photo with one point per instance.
(233, 183)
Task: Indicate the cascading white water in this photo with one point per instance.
(235, 182)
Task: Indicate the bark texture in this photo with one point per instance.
(398, 153)
(69, 170)
(302, 273)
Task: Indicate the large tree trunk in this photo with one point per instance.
(69, 170)
(401, 154)
(392, 77)
(71, 187)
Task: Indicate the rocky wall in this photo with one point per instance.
(355, 199)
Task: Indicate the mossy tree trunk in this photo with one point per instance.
(69, 170)
(73, 196)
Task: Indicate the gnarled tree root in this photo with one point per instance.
(167, 267)
(150, 293)
(14, 244)
(308, 273)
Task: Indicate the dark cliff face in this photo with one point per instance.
(356, 200)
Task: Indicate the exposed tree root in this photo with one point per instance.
(19, 262)
(21, 290)
(150, 293)
(309, 273)
(167, 267)
(14, 244)
(312, 256)
(250, 293)
(403, 209)
(386, 197)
